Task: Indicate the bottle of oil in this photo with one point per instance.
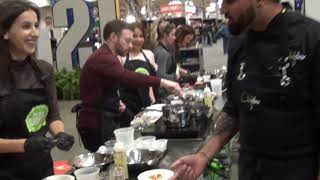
(120, 158)
(207, 97)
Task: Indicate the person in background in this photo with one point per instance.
(184, 36)
(184, 39)
(100, 78)
(141, 61)
(273, 95)
(207, 34)
(49, 25)
(53, 40)
(223, 33)
(28, 101)
(164, 52)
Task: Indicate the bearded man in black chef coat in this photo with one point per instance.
(273, 97)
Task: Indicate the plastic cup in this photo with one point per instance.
(206, 78)
(125, 136)
(216, 86)
(87, 173)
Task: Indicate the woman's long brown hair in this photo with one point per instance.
(9, 11)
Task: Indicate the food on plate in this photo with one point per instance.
(146, 117)
(155, 177)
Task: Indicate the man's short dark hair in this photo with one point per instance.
(115, 26)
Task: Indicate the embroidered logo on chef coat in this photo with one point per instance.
(242, 74)
(142, 70)
(36, 118)
(295, 56)
(287, 63)
(249, 99)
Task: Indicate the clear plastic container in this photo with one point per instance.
(125, 136)
(144, 142)
(159, 144)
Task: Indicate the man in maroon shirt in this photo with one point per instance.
(99, 81)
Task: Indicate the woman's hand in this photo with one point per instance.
(64, 141)
(38, 144)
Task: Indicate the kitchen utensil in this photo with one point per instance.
(176, 116)
(142, 159)
(91, 159)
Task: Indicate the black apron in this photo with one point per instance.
(136, 98)
(93, 138)
(276, 128)
(24, 116)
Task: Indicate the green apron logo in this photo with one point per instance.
(36, 118)
(142, 70)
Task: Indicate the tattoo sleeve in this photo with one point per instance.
(225, 123)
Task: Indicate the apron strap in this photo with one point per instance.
(152, 68)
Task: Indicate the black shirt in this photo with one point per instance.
(272, 115)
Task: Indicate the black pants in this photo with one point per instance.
(253, 167)
(93, 138)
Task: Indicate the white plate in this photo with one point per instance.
(165, 173)
(146, 117)
(156, 107)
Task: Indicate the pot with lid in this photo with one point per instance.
(176, 116)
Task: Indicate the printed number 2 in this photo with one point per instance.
(76, 32)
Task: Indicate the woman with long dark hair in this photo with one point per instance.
(184, 39)
(28, 102)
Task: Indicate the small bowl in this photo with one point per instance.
(60, 177)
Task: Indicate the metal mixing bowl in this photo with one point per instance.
(143, 159)
(92, 159)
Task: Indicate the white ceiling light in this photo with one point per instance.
(143, 10)
(41, 3)
(130, 19)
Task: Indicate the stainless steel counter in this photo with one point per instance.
(179, 147)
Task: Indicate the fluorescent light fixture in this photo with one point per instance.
(41, 3)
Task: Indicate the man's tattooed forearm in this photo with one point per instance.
(225, 123)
